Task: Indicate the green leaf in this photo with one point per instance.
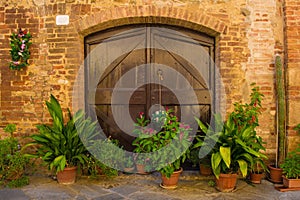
(225, 153)
(243, 167)
(215, 163)
(59, 162)
(39, 139)
(201, 125)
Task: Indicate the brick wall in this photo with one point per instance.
(292, 56)
(248, 35)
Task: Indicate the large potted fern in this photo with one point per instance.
(59, 145)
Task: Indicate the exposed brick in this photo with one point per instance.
(245, 48)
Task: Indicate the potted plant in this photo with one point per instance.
(169, 140)
(258, 167)
(232, 153)
(174, 135)
(257, 170)
(143, 143)
(291, 169)
(275, 172)
(107, 153)
(129, 165)
(205, 166)
(13, 161)
(246, 114)
(204, 141)
(59, 145)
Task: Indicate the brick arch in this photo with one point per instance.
(119, 16)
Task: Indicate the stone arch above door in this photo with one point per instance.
(118, 16)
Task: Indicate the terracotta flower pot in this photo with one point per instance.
(275, 174)
(128, 169)
(141, 169)
(67, 176)
(205, 170)
(226, 182)
(291, 183)
(171, 183)
(256, 177)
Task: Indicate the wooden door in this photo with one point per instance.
(153, 55)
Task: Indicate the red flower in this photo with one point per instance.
(141, 114)
(253, 118)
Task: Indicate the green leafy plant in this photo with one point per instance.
(233, 151)
(297, 128)
(10, 128)
(291, 164)
(129, 162)
(246, 115)
(13, 162)
(24, 180)
(95, 167)
(167, 131)
(234, 144)
(19, 52)
(59, 145)
(205, 141)
(211, 183)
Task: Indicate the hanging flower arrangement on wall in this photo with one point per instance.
(19, 52)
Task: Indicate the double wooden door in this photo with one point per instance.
(140, 68)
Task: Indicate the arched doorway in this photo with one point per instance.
(151, 54)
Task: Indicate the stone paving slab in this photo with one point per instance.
(14, 194)
(141, 187)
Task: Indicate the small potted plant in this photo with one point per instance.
(143, 143)
(257, 170)
(291, 169)
(59, 145)
(204, 141)
(129, 165)
(176, 136)
(108, 154)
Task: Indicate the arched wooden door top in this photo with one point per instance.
(145, 48)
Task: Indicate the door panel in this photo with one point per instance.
(115, 52)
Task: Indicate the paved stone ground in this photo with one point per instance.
(141, 187)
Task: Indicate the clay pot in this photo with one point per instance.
(67, 176)
(141, 169)
(170, 183)
(128, 169)
(256, 177)
(291, 183)
(205, 170)
(226, 182)
(275, 174)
